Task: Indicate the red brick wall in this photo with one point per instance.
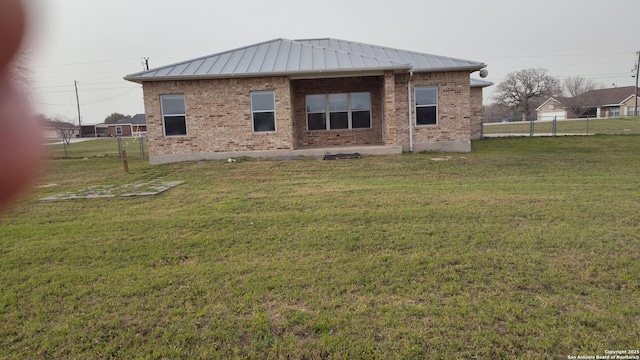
(304, 138)
(476, 113)
(218, 116)
(453, 131)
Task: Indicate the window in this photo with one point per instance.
(343, 111)
(118, 130)
(263, 111)
(173, 115)
(426, 105)
(614, 111)
(631, 110)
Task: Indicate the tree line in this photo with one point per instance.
(521, 92)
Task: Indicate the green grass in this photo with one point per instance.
(102, 147)
(523, 248)
(616, 126)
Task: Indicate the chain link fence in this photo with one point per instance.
(563, 127)
(80, 148)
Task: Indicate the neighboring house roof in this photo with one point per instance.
(56, 124)
(290, 57)
(477, 83)
(557, 99)
(600, 97)
(137, 119)
(613, 96)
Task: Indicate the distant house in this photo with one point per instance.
(309, 98)
(131, 126)
(51, 129)
(601, 103)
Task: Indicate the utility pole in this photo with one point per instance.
(78, 102)
(145, 63)
(635, 109)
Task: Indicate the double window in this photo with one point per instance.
(631, 110)
(174, 115)
(426, 105)
(614, 111)
(338, 111)
(263, 111)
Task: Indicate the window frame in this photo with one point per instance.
(435, 105)
(253, 124)
(613, 113)
(631, 110)
(118, 130)
(327, 112)
(165, 115)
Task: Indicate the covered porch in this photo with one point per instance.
(344, 114)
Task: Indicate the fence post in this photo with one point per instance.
(587, 124)
(125, 161)
(531, 127)
(555, 124)
(141, 139)
(119, 146)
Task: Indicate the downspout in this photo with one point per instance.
(410, 117)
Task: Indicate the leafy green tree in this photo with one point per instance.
(114, 117)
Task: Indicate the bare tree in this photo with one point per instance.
(497, 112)
(66, 129)
(577, 91)
(520, 89)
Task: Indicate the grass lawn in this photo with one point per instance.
(523, 248)
(101, 147)
(626, 125)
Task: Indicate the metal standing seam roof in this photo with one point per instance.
(477, 83)
(289, 57)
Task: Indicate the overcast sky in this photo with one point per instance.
(98, 42)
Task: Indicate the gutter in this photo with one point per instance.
(410, 118)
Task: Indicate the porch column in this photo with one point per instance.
(389, 109)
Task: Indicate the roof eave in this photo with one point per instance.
(294, 74)
(470, 68)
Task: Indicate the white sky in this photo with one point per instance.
(98, 42)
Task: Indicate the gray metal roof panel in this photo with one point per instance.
(281, 56)
(475, 83)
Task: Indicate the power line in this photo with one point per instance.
(84, 63)
(83, 90)
(94, 102)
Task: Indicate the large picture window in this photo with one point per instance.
(339, 111)
(426, 105)
(173, 115)
(263, 111)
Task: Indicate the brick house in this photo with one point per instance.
(128, 126)
(600, 103)
(309, 98)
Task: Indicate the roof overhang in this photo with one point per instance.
(303, 74)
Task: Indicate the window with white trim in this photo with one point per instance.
(426, 105)
(263, 111)
(631, 110)
(338, 111)
(118, 130)
(174, 118)
(614, 111)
